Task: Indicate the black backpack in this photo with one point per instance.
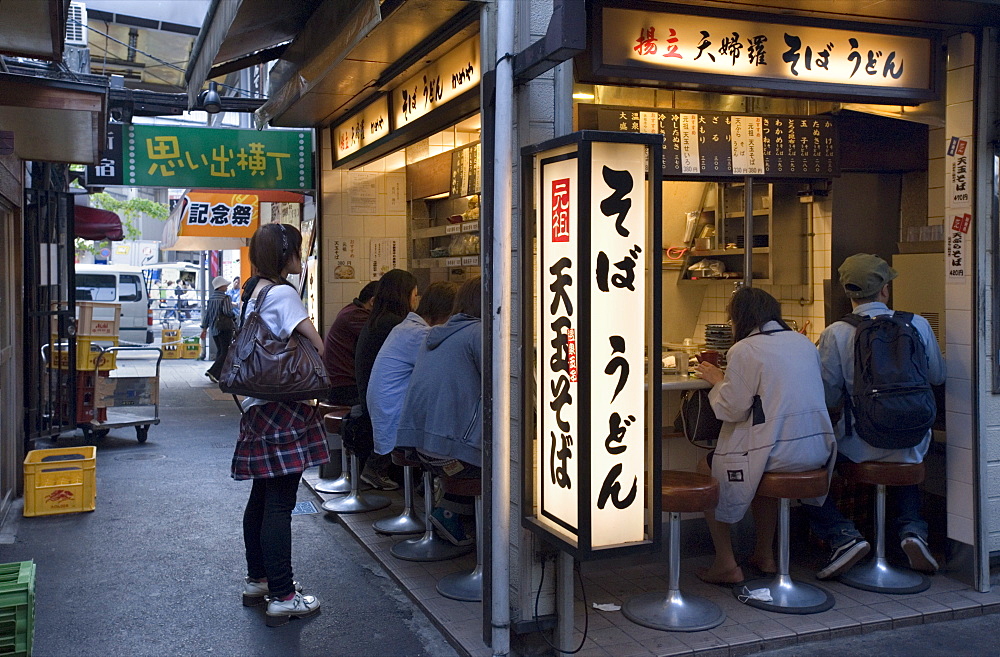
(892, 405)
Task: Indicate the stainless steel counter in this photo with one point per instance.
(678, 382)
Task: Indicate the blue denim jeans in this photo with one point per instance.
(903, 507)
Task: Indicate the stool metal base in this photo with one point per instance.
(672, 611)
(788, 596)
(356, 503)
(404, 523)
(341, 484)
(428, 548)
(465, 587)
(878, 576)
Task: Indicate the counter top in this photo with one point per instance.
(679, 382)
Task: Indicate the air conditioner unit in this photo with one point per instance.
(76, 30)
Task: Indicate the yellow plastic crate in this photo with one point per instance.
(170, 335)
(172, 350)
(190, 351)
(87, 352)
(61, 480)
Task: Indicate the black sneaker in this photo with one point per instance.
(211, 377)
(842, 558)
(915, 548)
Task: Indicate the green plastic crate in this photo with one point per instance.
(17, 608)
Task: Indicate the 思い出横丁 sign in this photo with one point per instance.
(217, 158)
(597, 275)
(740, 50)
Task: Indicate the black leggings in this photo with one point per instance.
(267, 531)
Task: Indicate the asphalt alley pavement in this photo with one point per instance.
(157, 569)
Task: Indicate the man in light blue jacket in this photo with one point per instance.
(394, 363)
(866, 280)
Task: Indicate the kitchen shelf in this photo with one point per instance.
(726, 252)
(446, 262)
(448, 229)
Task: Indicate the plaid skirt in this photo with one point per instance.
(279, 438)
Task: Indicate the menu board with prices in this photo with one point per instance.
(726, 144)
(465, 170)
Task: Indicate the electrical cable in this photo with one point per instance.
(586, 610)
(153, 57)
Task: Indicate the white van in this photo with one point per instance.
(124, 285)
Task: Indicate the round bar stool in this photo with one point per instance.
(428, 547)
(406, 522)
(681, 492)
(787, 595)
(876, 574)
(333, 418)
(466, 587)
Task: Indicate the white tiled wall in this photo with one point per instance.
(339, 224)
(802, 303)
(958, 298)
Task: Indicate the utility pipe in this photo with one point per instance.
(503, 231)
(563, 125)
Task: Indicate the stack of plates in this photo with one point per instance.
(718, 337)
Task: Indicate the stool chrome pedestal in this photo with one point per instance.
(428, 547)
(787, 595)
(877, 574)
(356, 501)
(406, 522)
(341, 484)
(467, 587)
(671, 610)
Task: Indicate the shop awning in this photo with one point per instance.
(34, 28)
(324, 73)
(96, 224)
(54, 120)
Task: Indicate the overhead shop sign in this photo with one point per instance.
(220, 215)
(217, 158)
(700, 143)
(446, 79)
(363, 129)
(736, 50)
(594, 488)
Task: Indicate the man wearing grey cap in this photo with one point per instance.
(220, 318)
(866, 280)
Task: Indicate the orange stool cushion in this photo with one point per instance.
(399, 458)
(459, 486)
(682, 492)
(887, 474)
(793, 485)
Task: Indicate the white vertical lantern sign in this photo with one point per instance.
(618, 427)
(595, 288)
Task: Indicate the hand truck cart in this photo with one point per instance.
(119, 400)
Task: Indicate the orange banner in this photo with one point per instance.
(219, 215)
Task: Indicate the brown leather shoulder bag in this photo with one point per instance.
(261, 365)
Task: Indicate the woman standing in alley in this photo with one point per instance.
(278, 440)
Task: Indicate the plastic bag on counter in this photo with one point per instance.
(708, 268)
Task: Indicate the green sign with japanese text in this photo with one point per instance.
(217, 158)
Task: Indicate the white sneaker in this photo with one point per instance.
(298, 606)
(255, 593)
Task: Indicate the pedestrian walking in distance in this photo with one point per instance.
(278, 440)
(220, 321)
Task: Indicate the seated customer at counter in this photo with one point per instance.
(443, 411)
(772, 406)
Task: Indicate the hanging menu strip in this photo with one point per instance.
(726, 144)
